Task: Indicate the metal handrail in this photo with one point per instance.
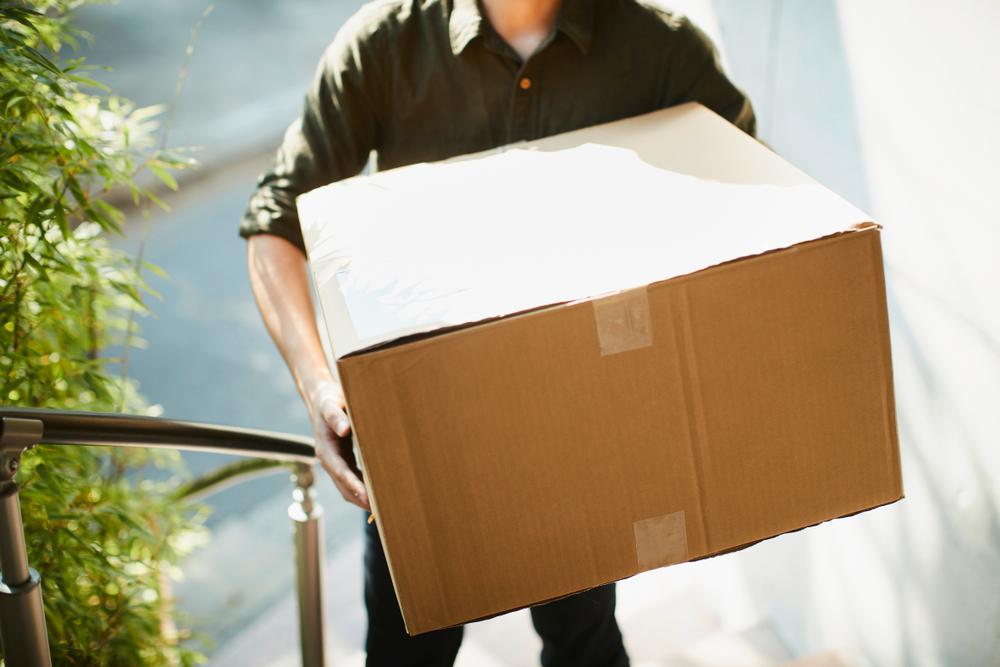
(22, 621)
(73, 427)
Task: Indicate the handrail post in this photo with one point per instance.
(306, 515)
(22, 617)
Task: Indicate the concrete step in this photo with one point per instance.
(825, 659)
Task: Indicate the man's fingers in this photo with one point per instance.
(345, 485)
(342, 427)
(333, 447)
(351, 494)
(350, 486)
(335, 417)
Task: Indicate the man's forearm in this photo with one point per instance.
(281, 287)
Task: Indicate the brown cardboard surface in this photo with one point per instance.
(733, 398)
(511, 460)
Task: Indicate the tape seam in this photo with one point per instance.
(623, 322)
(660, 541)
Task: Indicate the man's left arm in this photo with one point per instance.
(696, 75)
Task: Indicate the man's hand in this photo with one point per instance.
(281, 288)
(333, 443)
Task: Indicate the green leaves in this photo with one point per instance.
(160, 169)
(101, 534)
(35, 264)
(102, 554)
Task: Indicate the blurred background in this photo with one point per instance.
(893, 104)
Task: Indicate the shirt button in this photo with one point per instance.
(525, 83)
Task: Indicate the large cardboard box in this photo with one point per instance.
(570, 361)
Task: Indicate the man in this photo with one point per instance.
(420, 80)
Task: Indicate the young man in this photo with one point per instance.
(421, 80)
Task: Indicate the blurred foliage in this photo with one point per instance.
(104, 539)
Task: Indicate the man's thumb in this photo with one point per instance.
(341, 426)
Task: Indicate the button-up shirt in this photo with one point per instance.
(408, 81)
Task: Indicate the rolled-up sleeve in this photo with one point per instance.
(697, 76)
(331, 140)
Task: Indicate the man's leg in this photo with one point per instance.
(387, 643)
(581, 630)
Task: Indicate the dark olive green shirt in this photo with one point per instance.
(423, 80)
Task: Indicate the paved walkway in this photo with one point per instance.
(692, 615)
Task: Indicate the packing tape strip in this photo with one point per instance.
(661, 540)
(623, 321)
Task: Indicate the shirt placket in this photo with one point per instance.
(524, 94)
(524, 90)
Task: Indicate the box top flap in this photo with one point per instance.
(432, 246)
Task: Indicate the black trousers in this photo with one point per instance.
(578, 631)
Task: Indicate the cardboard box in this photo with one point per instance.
(608, 351)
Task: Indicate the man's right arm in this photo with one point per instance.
(281, 288)
(330, 141)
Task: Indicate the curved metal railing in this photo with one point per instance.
(68, 427)
(22, 621)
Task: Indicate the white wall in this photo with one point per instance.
(910, 91)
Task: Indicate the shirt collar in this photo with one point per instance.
(464, 24)
(575, 19)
